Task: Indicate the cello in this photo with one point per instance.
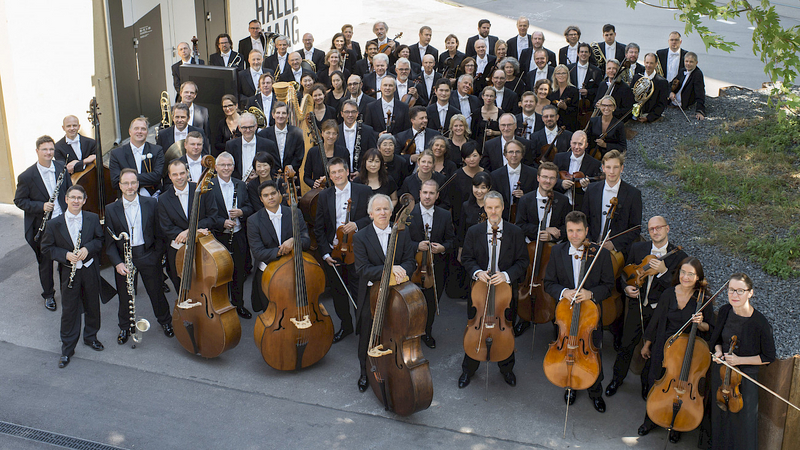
(612, 306)
(424, 276)
(95, 177)
(204, 320)
(295, 331)
(343, 250)
(399, 374)
(729, 398)
(534, 304)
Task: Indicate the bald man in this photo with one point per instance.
(427, 80)
(520, 42)
(74, 150)
(310, 53)
(294, 71)
(185, 53)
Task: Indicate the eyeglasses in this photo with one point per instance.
(224, 165)
(656, 229)
(606, 105)
(72, 198)
(227, 106)
(353, 84)
(738, 292)
(247, 128)
(688, 274)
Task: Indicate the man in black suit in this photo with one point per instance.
(671, 59)
(332, 214)
(294, 71)
(632, 56)
(377, 114)
(233, 207)
(406, 87)
(179, 129)
(428, 78)
(610, 47)
(308, 52)
(493, 157)
(225, 56)
(370, 245)
(185, 53)
(250, 78)
(418, 51)
(563, 276)
(78, 150)
(540, 70)
(568, 54)
(514, 179)
(193, 158)
(244, 149)
(364, 65)
(136, 216)
(264, 98)
(270, 234)
(441, 110)
(511, 263)
(256, 41)
(542, 139)
(484, 62)
(357, 137)
(419, 133)
(484, 26)
(431, 230)
(198, 115)
(621, 92)
(288, 139)
(642, 301)
(527, 58)
(75, 240)
(654, 107)
(355, 92)
(506, 99)
(372, 80)
(463, 101)
(174, 210)
(584, 75)
(528, 121)
(277, 62)
(147, 159)
(381, 38)
(35, 187)
(692, 90)
(596, 205)
(576, 160)
(520, 42)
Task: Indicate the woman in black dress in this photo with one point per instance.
(542, 89)
(472, 211)
(315, 169)
(373, 173)
(441, 163)
(265, 168)
(227, 127)
(755, 347)
(614, 130)
(334, 97)
(565, 97)
(514, 81)
(450, 58)
(485, 125)
(458, 135)
(676, 306)
(397, 166)
(424, 172)
(348, 57)
(349, 43)
(322, 112)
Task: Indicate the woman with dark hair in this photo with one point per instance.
(468, 67)
(306, 83)
(314, 169)
(228, 126)
(441, 163)
(265, 169)
(676, 306)
(334, 97)
(348, 57)
(472, 210)
(322, 112)
(397, 165)
(460, 189)
(451, 57)
(373, 173)
(459, 134)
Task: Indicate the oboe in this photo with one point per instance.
(53, 199)
(75, 264)
(357, 147)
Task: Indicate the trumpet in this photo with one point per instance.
(166, 113)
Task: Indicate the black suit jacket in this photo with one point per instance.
(173, 220)
(559, 273)
(264, 240)
(663, 55)
(362, 105)
(659, 284)
(654, 107)
(152, 168)
(325, 224)
(271, 63)
(176, 72)
(433, 117)
(539, 141)
(362, 67)
(513, 51)
(258, 102)
(216, 59)
(470, 50)
(234, 147)
(116, 221)
(619, 53)
(370, 259)
(314, 168)
(375, 118)
(441, 232)
(530, 77)
(474, 103)
(528, 215)
(591, 80)
(694, 91)
(317, 57)
(166, 137)
(294, 150)
(413, 50)
(65, 153)
(370, 83)
(57, 241)
(247, 88)
(426, 97)
(513, 252)
(500, 183)
(562, 57)
(288, 75)
(492, 158)
(527, 56)
(31, 195)
(510, 102)
(368, 140)
(628, 213)
(441, 65)
(589, 166)
(622, 94)
(242, 201)
(200, 120)
(246, 45)
(405, 135)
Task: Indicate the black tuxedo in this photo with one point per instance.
(470, 50)
(413, 51)
(370, 84)
(264, 244)
(513, 51)
(258, 102)
(288, 75)
(152, 168)
(368, 141)
(530, 77)
(638, 69)
(539, 141)
(474, 104)
(523, 129)
(622, 94)
(375, 117)
(317, 56)
(500, 183)
(564, 59)
(528, 214)
(527, 56)
(510, 102)
(619, 53)
(628, 214)
(30, 197)
(589, 166)
(166, 137)
(238, 244)
(362, 104)
(294, 149)
(247, 87)
(176, 72)
(694, 91)
(405, 135)
(593, 77)
(234, 147)
(433, 117)
(84, 295)
(425, 97)
(663, 56)
(146, 257)
(492, 158)
(216, 59)
(362, 67)
(654, 107)
(246, 45)
(65, 153)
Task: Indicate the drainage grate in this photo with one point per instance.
(32, 434)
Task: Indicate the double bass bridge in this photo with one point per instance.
(188, 304)
(301, 324)
(378, 351)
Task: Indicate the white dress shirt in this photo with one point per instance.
(541, 202)
(673, 64)
(309, 54)
(419, 140)
(137, 156)
(388, 107)
(513, 178)
(191, 114)
(280, 138)
(342, 196)
(181, 135)
(75, 226)
(427, 216)
(225, 57)
(255, 45)
(133, 217)
(498, 99)
(503, 142)
(686, 74)
(76, 146)
(266, 102)
(575, 257)
(609, 192)
(422, 50)
(248, 153)
(350, 141)
(383, 237)
(572, 54)
(530, 122)
(48, 175)
(276, 219)
(522, 44)
(489, 241)
(195, 168)
(428, 82)
(282, 63)
(550, 134)
(582, 69)
(443, 114)
(255, 75)
(297, 74)
(541, 74)
(611, 51)
(481, 63)
(466, 111)
(574, 166)
(402, 88)
(183, 196)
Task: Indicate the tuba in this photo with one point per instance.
(269, 42)
(642, 90)
(261, 118)
(166, 113)
(599, 56)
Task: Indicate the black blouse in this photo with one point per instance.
(615, 138)
(470, 215)
(398, 168)
(517, 85)
(388, 188)
(314, 167)
(330, 113)
(454, 152)
(569, 117)
(412, 184)
(755, 338)
(448, 169)
(668, 319)
(224, 135)
(442, 67)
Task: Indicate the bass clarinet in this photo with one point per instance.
(53, 199)
(75, 264)
(136, 324)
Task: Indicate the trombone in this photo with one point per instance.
(166, 110)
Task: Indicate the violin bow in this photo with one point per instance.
(678, 333)
(344, 285)
(589, 270)
(722, 361)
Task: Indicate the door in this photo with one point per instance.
(211, 22)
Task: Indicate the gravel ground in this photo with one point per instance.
(775, 298)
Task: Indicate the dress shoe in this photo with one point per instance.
(674, 436)
(429, 340)
(95, 344)
(50, 304)
(612, 387)
(123, 336)
(362, 383)
(510, 378)
(341, 334)
(646, 427)
(463, 380)
(645, 391)
(168, 331)
(243, 312)
(599, 404)
(520, 327)
(165, 287)
(63, 361)
(569, 396)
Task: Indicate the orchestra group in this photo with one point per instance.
(494, 175)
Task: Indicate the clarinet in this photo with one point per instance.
(53, 198)
(230, 238)
(75, 264)
(357, 147)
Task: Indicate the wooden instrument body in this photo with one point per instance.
(88, 179)
(729, 398)
(404, 375)
(343, 250)
(283, 345)
(636, 274)
(492, 325)
(308, 206)
(572, 361)
(539, 306)
(215, 323)
(424, 275)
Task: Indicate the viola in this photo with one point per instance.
(386, 48)
(204, 320)
(729, 397)
(295, 331)
(424, 276)
(343, 251)
(410, 146)
(534, 304)
(636, 274)
(548, 152)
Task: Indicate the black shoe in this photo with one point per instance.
(63, 361)
(95, 344)
(646, 427)
(165, 287)
(617, 343)
(123, 336)
(362, 383)
(341, 334)
(645, 391)
(50, 304)
(520, 327)
(168, 331)
(463, 380)
(510, 378)
(674, 436)
(612, 387)
(429, 340)
(243, 312)
(599, 404)
(569, 396)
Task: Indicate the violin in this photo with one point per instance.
(389, 121)
(576, 178)
(424, 276)
(613, 305)
(410, 146)
(387, 48)
(635, 274)
(548, 151)
(399, 374)
(729, 398)
(343, 251)
(534, 304)
(295, 331)
(204, 320)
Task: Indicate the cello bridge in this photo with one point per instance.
(489, 325)
(188, 304)
(301, 324)
(378, 351)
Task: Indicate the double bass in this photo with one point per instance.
(399, 374)
(95, 177)
(204, 320)
(534, 304)
(308, 202)
(295, 331)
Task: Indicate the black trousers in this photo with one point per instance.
(341, 302)
(430, 295)
(148, 268)
(470, 365)
(45, 270)
(82, 298)
(631, 335)
(173, 271)
(239, 249)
